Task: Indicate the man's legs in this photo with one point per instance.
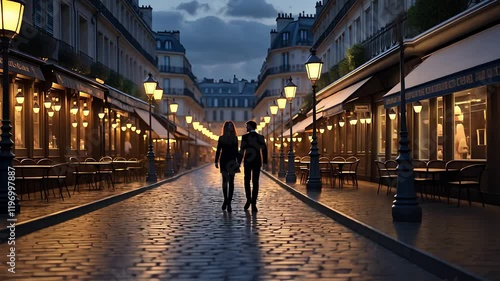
(246, 179)
(255, 191)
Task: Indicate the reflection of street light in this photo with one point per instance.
(149, 87)
(274, 110)
(281, 105)
(313, 67)
(170, 165)
(189, 119)
(11, 18)
(405, 207)
(290, 90)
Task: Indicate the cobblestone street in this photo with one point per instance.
(178, 232)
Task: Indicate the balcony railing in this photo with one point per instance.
(340, 15)
(177, 70)
(281, 69)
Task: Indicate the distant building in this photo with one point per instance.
(289, 50)
(227, 100)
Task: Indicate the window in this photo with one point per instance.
(53, 128)
(158, 44)
(214, 115)
(470, 124)
(422, 131)
(381, 129)
(303, 35)
(233, 115)
(220, 90)
(44, 15)
(19, 123)
(246, 115)
(168, 45)
(285, 60)
(368, 22)
(216, 102)
(235, 102)
(375, 16)
(357, 28)
(36, 123)
(285, 38)
(166, 85)
(222, 115)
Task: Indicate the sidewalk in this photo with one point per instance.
(455, 243)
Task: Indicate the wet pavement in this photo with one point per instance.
(177, 231)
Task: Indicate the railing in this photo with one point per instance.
(340, 15)
(266, 94)
(177, 70)
(116, 23)
(281, 69)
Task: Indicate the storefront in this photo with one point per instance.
(451, 96)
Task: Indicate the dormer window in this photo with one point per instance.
(303, 35)
(158, 44)
(286, 37)
(168, 45)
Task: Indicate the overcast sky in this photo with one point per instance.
(224, 37)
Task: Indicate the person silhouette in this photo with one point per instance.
(253, 151)
(228, 156)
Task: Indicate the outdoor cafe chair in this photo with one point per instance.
(304, 168)
(82, 173)
(385, 176)
(57, 175)
(469, 177)
(349, 170)
(325, 169)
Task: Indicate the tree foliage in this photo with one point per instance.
(426, 14)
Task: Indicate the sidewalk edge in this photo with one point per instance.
(425, 260)
(38, 223)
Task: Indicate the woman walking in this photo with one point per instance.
(227, 155)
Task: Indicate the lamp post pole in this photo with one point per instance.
(405, 207)
(168, 159)
(150, 86)
(290, 90)
(274, 110)
(189, 119)
(267, 120)
(282, 104)
(11, 20)
(313, 67)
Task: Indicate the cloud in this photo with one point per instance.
(217, 48)
(193, 7)
(250, 8)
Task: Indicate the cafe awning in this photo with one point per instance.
(156, 126)
(301, 126)
(78, 85)
(334, 104)
(472, 62)
(24, 68)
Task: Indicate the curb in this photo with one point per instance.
(35, 224)
(423, 259)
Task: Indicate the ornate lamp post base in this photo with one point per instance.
(291, 177)
(169, 172)
(406, 210)
(151, 176)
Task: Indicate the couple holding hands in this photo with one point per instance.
(253, 153)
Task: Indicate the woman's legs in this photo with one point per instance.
(231, 191)
(224, 190)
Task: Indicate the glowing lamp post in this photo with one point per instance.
(290, 90)
(150, 87)
(313, 67)
(274, 110)
(11, 18)
(189, 120)
(281, 105)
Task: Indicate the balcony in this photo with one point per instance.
(281, 69)
(177, 70)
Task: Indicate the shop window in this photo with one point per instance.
(19, 120)
(36, 122)
(381, 127)
(470, 124)
(422, 131)
(439, 129)
(84, 123)
(394, 132)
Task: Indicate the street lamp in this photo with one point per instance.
(196, 125)
(170, 167)
(274, 110)
(150, 87)
(281, 105)
(11, 18)
(290, 90)
(101, 118)
(405, 207)
(189, 119)
(313, 67)
(267, 120)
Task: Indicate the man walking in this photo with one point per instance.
(253, 150)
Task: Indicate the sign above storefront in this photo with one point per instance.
(482, 75)
(362, 108)
(79, 86)
(24, 68)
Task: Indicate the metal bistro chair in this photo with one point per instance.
(82, 172)
(385, 177)
(325, 169)
(469, 177)
(349, 171)
(57, 175)
(304, 168)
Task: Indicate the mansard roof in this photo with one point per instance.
(173, 37)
